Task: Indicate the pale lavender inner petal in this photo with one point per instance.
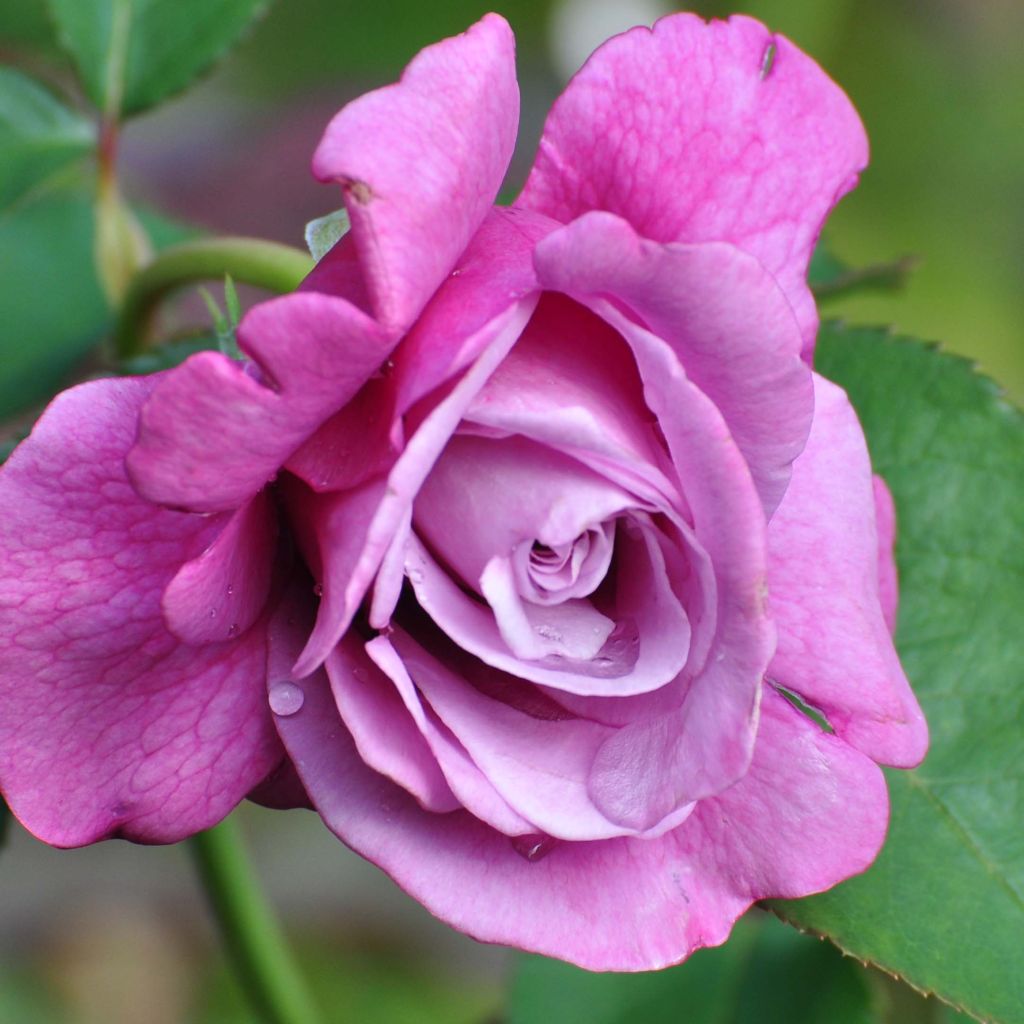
(549, 574)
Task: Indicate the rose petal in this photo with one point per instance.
(574, 630)
(707, 744)
(647, 651)
(691, 135)
(111, 725)
(537, 765)
(689, 573)
(374, 525)
(354, 445)
(722, 314)
(835, 648)
(885, 521)
(387, 738)
(331, 530)
(484, 497)
(421, 161)
(282, 790)
(472, 787)
(571, 383)
(494, 272)
(220, 594)
(811, 812)
(211, 435)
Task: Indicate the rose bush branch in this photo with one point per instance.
(268, 265)
(266, 968)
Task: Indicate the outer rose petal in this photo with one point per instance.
(212, 434)
(810, 812)
(281, 790)
(834, 646)
(220, 594)
(421, 162)
(888, 583)
(682, 131)
(147, 738)
(495, 270)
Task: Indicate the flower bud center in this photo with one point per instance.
(553, 573)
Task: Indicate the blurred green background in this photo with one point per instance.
(940, 86)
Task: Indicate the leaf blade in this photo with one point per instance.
(943, 906)
(38, 135)
(765, 972)
(132, 54)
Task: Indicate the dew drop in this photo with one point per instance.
(318, 589)
(533, 847)
(549, 633)
(231, 589)
(213, 613)
(285, 699)
(233, 629)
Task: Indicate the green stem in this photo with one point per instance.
(277, 268)
(266, 968)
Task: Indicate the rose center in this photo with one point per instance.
(553, 573)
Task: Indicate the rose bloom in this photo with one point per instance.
(506, 541)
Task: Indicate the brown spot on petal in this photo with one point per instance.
(358, 190)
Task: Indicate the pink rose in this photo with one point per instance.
(502, 544)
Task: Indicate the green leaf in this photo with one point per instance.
(825, 266)
(323, 232)
(53, 310)
(943, 906)
(131, 54)
(765, 972)
(829, 277)
(38, 135)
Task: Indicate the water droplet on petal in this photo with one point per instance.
(318, 589)
(533, 847)
(233, 629)
(231, 589)
(286, 699)
(213, 613)
(548, 632)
